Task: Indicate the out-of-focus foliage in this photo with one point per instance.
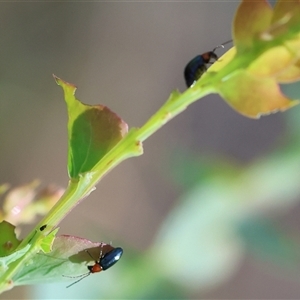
(22, 204)
(224, 212)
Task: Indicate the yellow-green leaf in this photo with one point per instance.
(253, 96)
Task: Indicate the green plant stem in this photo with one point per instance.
(176, 104)
(129, 146)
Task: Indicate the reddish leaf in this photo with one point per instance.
(67, 258)
(251, 18)
(286, 17)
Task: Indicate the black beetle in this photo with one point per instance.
(198, 65)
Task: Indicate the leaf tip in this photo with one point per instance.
(65, 85)
(56, 78)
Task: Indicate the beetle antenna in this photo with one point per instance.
(100, 254)
(88, 252)
(81, 277)
(222, 45)
(101, 247)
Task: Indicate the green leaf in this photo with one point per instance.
(67, 258)
(9, 243)
(5, 261)
(47, 241)
(8, 239)
(93, 131)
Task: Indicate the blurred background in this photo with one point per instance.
(211, 210)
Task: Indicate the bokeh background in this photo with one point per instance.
(211, 210)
